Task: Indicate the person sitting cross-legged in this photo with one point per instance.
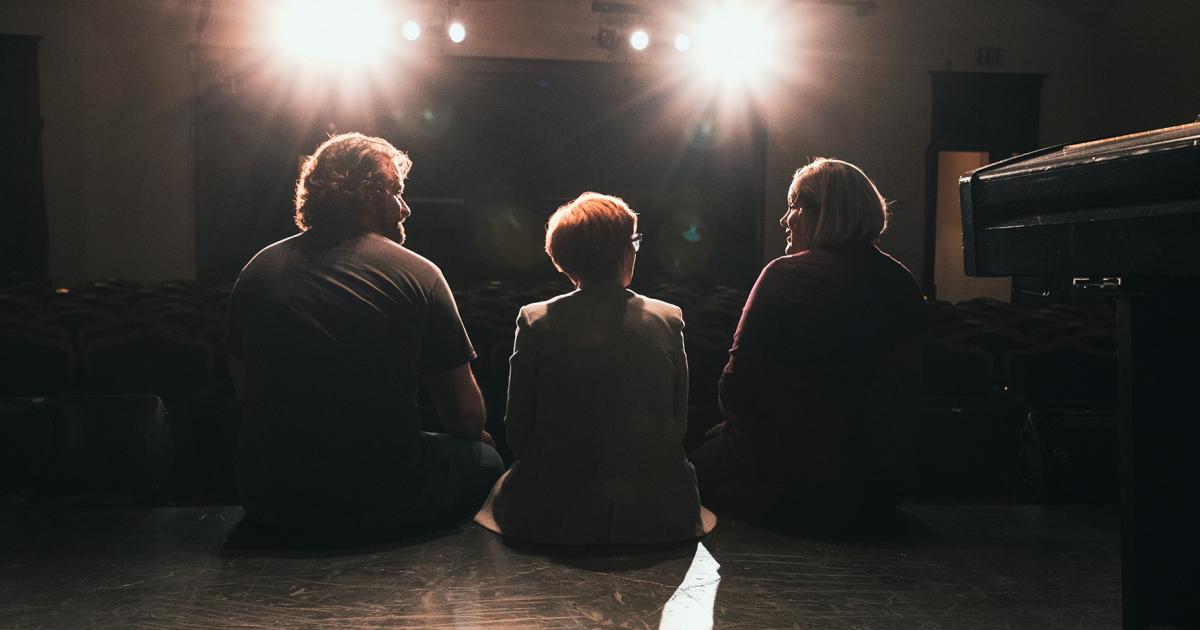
(824, 372)
(597, 400)
(329, 333)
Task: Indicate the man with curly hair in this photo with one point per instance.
(330, 332)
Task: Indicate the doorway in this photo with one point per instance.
(952, 282)
(977, 118)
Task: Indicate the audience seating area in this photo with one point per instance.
(1019, 405)
(112, 377)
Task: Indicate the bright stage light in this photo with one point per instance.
(639, 40)
(735, 43)
(683, 42)
(411, 31)
(457, 32)
(349, 33)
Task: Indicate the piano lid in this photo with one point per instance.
(1128, 205)
(1169, 138)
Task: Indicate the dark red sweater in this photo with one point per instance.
(824, 362)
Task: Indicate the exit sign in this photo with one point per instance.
(989, 57)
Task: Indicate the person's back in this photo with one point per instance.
(331, 332)
(602, 462)
(803, 375)
(597, 400)
(328, 333)
(824, 366)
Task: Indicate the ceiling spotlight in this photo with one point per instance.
(683, 42)
(735, 44)
(352, 33)
(411, 31)
(457, 32)
(639, 40)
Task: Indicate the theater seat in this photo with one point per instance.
(1070, 457)
(1064, 374)
(956, 371)
(35, 360)
(26, 444)
(963, 446)
(89, 450)
(147, 360)
(962, 453)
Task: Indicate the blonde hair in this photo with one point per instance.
(840, 204)
(586, 238)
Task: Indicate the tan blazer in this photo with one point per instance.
(597, 410)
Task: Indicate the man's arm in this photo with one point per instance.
(458, 401)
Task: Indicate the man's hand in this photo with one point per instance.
(487, 438)
(715, 429)
(458, 402)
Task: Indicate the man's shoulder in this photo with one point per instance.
(393, 259)
(371, 254)
(278, 248)
(386, 248)
(267, 259)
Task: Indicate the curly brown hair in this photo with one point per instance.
(335, 177)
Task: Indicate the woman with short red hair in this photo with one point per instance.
(597, 400)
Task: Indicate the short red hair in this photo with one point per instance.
(586, 238)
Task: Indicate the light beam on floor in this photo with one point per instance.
(691, 605)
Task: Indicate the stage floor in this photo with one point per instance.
(946, 567)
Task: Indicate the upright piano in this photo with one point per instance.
(1121, 216)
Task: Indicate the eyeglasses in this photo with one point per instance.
(636, 239)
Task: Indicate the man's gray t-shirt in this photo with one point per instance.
(333, 333)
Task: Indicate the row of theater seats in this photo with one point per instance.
(113, 338)
(1017, 402)
(85, 450)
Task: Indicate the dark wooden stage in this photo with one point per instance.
(942, 567)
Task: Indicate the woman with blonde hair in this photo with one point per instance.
(824, 366)
(597, 400)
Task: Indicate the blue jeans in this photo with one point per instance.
(453, 479)
(459, 474)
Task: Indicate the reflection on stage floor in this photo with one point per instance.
(942, 567)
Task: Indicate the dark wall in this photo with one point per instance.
(23, 237)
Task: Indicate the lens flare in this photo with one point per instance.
(457, 32)
(639, 40)
(411, 30)
(683, 42)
